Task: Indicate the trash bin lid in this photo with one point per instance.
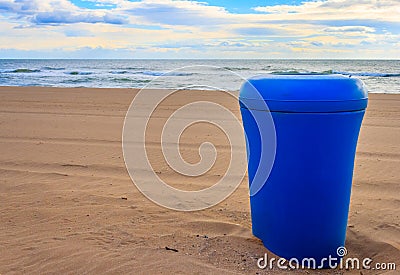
(304, 93)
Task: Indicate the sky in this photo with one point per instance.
(275, 29)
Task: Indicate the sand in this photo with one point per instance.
(68, 204)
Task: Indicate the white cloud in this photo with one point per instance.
(170, 12)
(57, 12)
(197, 29)
(348, 29)
(33, 6)
(387, 10)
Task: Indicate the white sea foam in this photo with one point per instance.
(380, 76)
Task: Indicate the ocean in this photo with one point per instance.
(380, 76)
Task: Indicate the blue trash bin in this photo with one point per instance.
(299, 206)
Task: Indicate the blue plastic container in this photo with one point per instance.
(299, 207)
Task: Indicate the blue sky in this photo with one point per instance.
(199, 29)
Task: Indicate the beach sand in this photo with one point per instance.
(68, 204)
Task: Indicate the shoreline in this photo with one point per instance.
(138, 89)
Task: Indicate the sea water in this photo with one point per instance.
(380, 76)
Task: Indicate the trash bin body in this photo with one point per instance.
(301, 210)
